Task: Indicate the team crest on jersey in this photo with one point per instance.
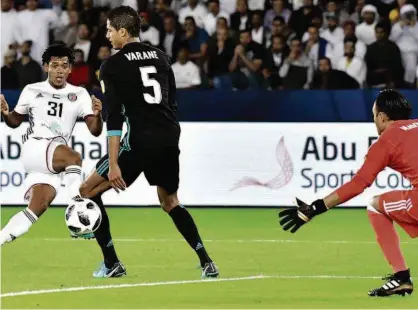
(72, 97)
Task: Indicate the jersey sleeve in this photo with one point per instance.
(377, 158)
(22, 106)
(115, 117)
(86, 109)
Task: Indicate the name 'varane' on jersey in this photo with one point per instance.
(53, 112)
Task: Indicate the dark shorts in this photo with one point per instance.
(160, 166)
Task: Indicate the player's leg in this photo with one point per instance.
(93, 188)
(162, 169)
(389, 242)
(65, 159)
(40, 198)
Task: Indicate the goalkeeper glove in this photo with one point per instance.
(296, 217)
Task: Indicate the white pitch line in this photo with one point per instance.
(129, 285)
(233, 241)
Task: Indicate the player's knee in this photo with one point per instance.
(85, 191)
(75, 159)
(39, 207)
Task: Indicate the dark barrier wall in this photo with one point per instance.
(274, 106)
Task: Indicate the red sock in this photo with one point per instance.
(388, 239)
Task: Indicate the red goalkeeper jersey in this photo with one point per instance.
(396, 148)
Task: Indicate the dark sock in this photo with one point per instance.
(186, 226)
(103, 236)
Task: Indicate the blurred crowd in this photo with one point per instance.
(226, 44)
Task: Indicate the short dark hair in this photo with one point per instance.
(325, 58)
(246, 30)
(57, 50)
(214, 1)
(125, 17)
(384, 25)
(313, 26)
(393, 104)
(279, 19)
(258, 12)
(190, 18)
(352, 39)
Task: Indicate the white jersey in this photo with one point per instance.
(53, 112)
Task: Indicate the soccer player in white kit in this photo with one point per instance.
(53, 107)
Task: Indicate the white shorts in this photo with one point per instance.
(36, 156)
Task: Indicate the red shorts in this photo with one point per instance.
(402, 208)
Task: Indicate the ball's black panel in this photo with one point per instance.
(74, 229)
(97, 224)
(90, 206)
(83, 218)
(69, 212)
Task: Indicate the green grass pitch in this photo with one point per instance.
(330, 263)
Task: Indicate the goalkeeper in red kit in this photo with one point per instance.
(396, 148)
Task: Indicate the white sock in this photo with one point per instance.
(73, 180)
(18, 225)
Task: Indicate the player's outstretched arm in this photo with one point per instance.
(12, 119)
(95, 121)
(376, 160)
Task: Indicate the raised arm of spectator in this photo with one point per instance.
(285, 68)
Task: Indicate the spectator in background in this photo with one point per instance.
(352, 65)
(80, 71)
(67, 33)
(247, 62)
(297, 68)
(90, 15)
(332, 9)
(28, 70)
(85, 44)
(186, 72)
(258, 32)
(223, 23)
(395, 14)
(194, 9)
(100, 38)
(71, 5)
(405, 35)
(220, 54)
(297, 4)
(10, 33)
(278, 52)
(317, 47)
(365, 32)
(196, 39)
(333, 33)
(241, 19)
(279, 9)
(356, 14)
(160, 8)
(103, 55)
(34, 25)
(149, 34)
(327, 78)
(338, 50)
(280, 28)
(171, 36)
(301, 19)
(213, 15)
(9, 79)
(383, 60)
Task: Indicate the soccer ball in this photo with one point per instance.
(83, 216)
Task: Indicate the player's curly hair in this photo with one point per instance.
(394, 105)
(58, 50)
(125, 17)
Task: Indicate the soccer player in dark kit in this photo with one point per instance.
(139, 88)
(396, 148)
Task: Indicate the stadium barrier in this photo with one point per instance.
(232, 164)
(273, 106)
